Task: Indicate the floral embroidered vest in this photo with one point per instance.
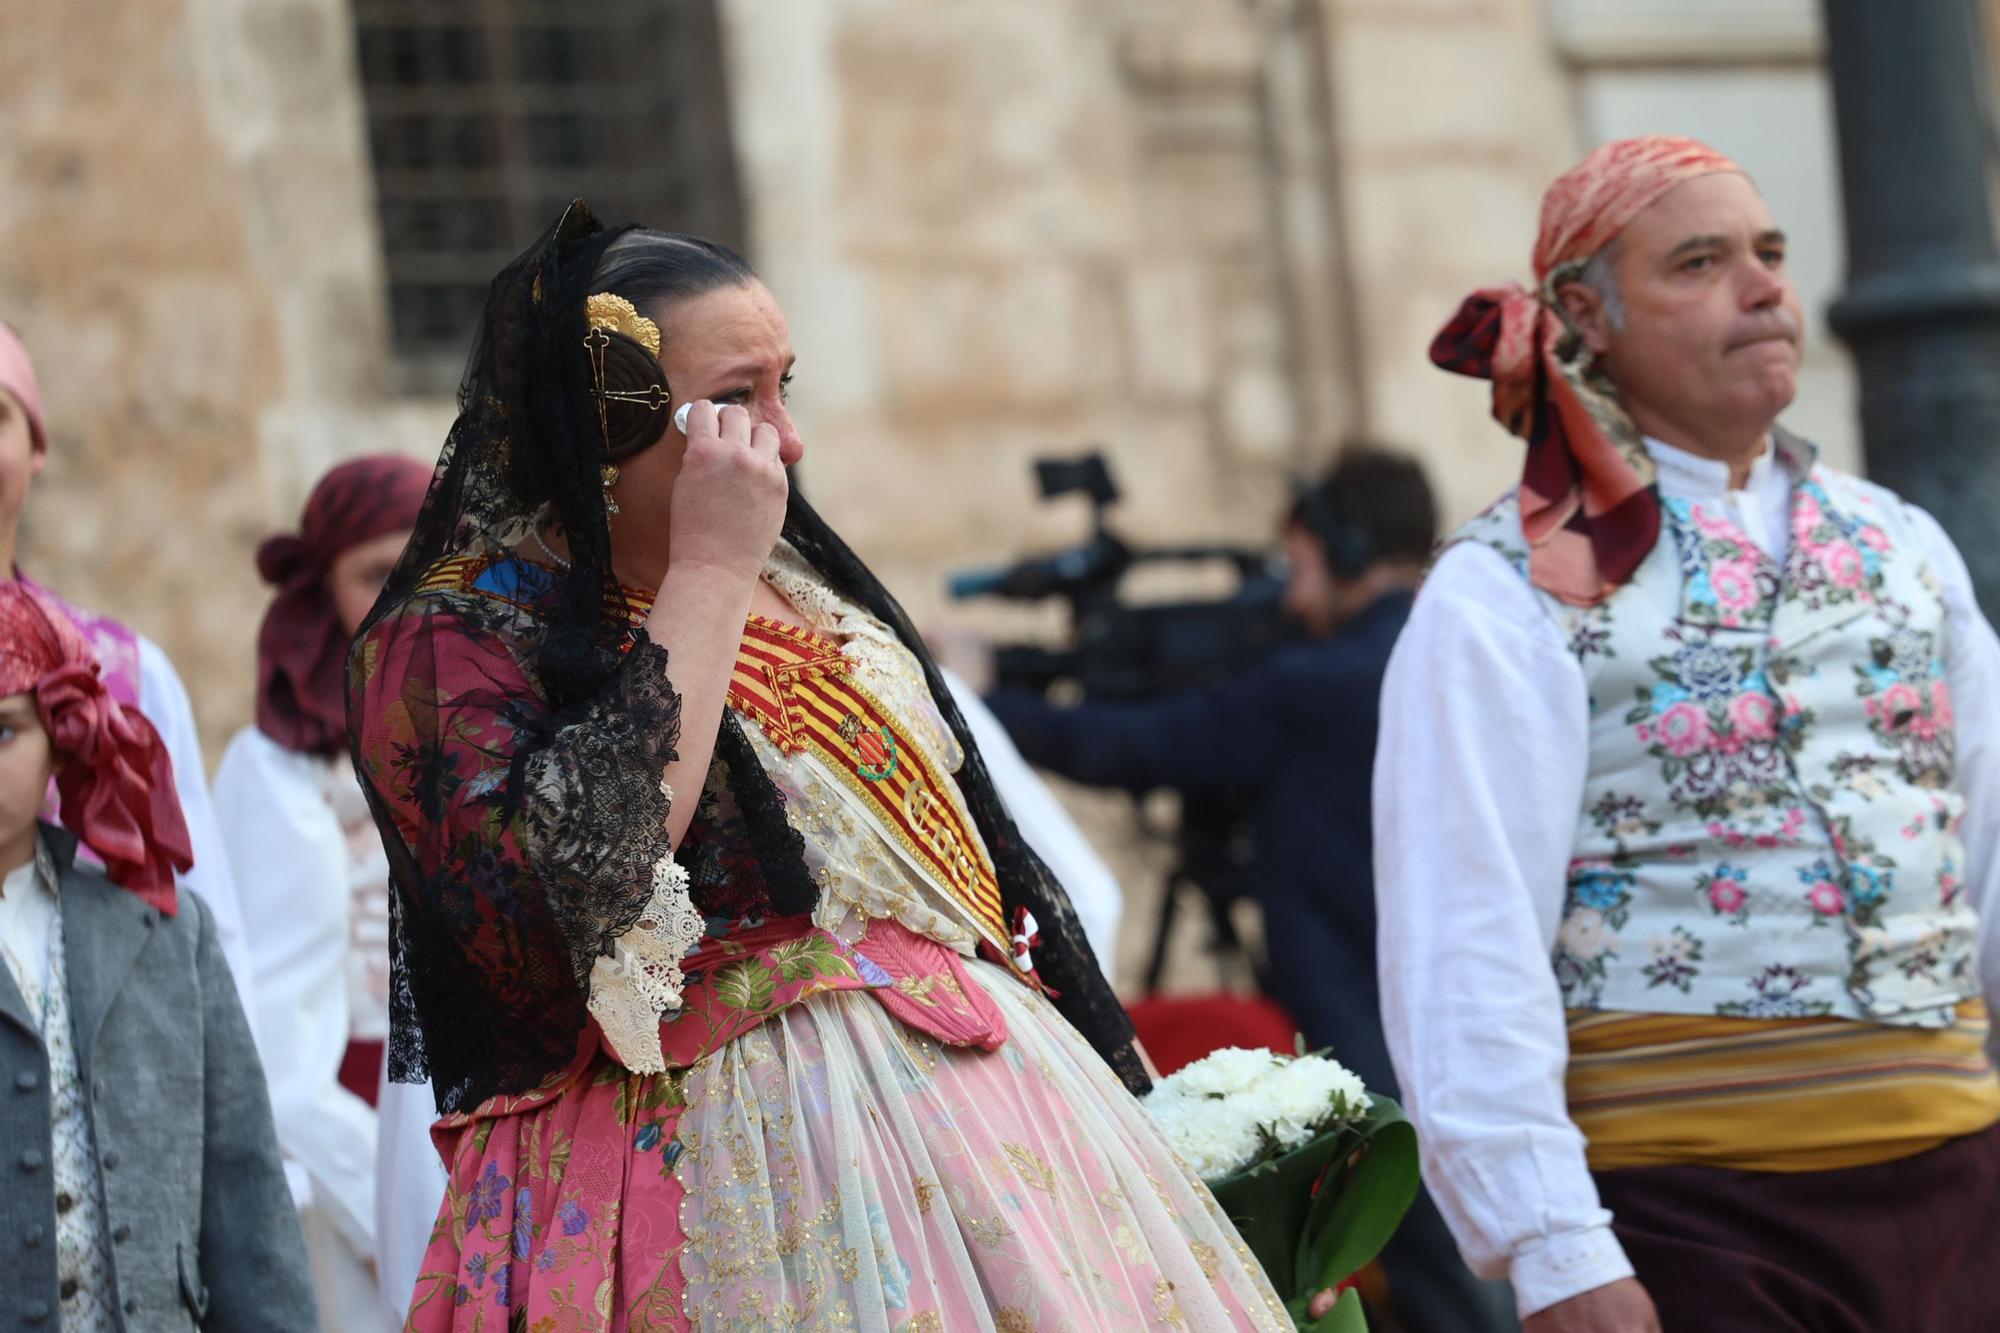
(1770, 822)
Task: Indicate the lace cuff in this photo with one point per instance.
(640, 979)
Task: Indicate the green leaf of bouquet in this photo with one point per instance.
(1269, 1202)
(1356, 1211)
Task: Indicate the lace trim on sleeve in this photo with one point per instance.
(640, 979)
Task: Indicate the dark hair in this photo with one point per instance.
(1374, 504)
(656, 268)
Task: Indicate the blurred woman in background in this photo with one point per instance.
(311, 871)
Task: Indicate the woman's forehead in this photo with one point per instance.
(728, 327)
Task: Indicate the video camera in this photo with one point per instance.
(1119, 650)
(1122, 651)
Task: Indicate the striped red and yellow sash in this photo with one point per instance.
(800, 689)
(797, 685)
(1793, 1094)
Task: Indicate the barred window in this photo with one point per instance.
(486, 117)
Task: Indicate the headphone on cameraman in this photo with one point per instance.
(1349, 549)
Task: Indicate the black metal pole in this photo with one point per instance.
(1921, 312)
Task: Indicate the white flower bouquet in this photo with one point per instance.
(1314, 1171)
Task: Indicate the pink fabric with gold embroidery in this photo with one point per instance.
(563, 1215)
(719, 1195)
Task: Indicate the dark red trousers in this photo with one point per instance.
(1910, 1246)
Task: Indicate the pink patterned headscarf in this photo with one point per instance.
(1588, 506)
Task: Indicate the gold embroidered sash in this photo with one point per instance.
(800, 689)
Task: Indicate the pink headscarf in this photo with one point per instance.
(114, 777)
(1588, 507)
(302, 646)
(17, 376)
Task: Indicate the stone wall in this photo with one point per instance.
(186, 245)
(1002, 231)
(1450, 118)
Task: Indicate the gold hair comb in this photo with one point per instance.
(615, 314)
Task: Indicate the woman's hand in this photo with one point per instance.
(729, 500)
(727, 508)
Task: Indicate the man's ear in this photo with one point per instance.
(1584, 308)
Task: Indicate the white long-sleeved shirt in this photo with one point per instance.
(164, 701)
(292, 862)
(1479, 775)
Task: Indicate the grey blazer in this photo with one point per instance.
(202, 1228)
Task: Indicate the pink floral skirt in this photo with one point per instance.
(836, 1167)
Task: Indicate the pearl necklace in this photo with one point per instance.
(554, 559)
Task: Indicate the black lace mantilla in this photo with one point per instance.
(512, 749)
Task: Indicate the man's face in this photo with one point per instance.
(1312, 599)
(25, 766)
(1712, 331)
(20, 463)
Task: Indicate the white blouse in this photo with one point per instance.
(300, 877)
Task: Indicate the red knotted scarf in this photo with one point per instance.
(302, 646)
(1588, 507)
(113, 776)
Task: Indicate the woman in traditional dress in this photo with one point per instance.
(745, 1005)
(310, 870)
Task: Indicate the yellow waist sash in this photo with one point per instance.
(801, 690)
(1811, 1094)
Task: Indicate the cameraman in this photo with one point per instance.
(1298, 732)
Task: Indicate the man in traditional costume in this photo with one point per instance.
(1686, 803)
(136, 671)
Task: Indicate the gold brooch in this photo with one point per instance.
(609, 311)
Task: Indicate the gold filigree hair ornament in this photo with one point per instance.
(612, 312)
(624, 350)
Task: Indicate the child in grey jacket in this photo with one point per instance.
(145, 1189)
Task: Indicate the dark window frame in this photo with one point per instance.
(485, 117)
